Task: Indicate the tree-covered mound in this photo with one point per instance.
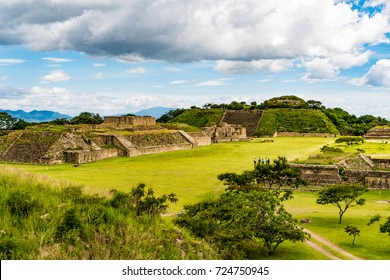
(295, 120)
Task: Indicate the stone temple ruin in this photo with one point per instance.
(378, 133)
(117, 136)
(363, 170)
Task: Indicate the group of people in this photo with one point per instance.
(259, 161)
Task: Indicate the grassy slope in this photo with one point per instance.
(105, 232)
(199, 118)
(295, 120)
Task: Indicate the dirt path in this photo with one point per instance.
(330, 245)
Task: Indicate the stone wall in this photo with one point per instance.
(226, 133)
(333, 174)
(297, 134)
(320, 174)
(248, 119)
(201, 138)
(78, 157)
(381, 163)
(130, 120)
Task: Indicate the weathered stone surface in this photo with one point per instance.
(130, 120)
(248, 119)
(378, 133)
(226, 133)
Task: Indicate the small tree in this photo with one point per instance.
(268, 177)
(87, 118)
(384, 228)
(352, 230)
(240, 217)
(342, 196)
(272, 177)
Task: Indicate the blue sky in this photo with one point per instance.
(122, 56)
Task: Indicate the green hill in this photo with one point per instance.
(295, 120)
(199, 117)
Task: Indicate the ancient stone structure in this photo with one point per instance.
(130, 120)
(320, 174)
(378, 133)
(248, 119)
(226, 133)
(201, 138)
(351, 171)
(84, 156)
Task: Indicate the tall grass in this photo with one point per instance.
(42, 220)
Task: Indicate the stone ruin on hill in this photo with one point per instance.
(226, 133)
(378, 133)
(129, 120)
(247, 119)
(115, 137)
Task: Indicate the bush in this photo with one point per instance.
(20, 203)
(326, 150)
(350, 140)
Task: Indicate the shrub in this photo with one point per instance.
(20, 203)
(326, 149)
(350, 140)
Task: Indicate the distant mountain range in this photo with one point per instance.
(36, 116)
(46, 116)
(154, 112)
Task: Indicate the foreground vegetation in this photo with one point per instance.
(192, 176)
(43, 221)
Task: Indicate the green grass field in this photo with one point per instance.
(192, 176)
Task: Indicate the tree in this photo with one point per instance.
(267, 176)
(313, 104)
(342, 196)
(352, 230)
(384, 228)
(6, 121)
(141, 201)
(237, 218)
(87, 118)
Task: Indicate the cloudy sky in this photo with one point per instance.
(121, 56)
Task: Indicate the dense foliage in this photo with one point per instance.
(273, 176)
(87, 118)
(237, 221)
(39, 221)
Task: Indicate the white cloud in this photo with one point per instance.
(222, 30)
(8, 61)
(56, 59)
(213, 83)
(55, 76)
(263, 65)
(138, 70)
(99, 65)
(378, 75)
(177, 82)
(4, 78)
(99, 76)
